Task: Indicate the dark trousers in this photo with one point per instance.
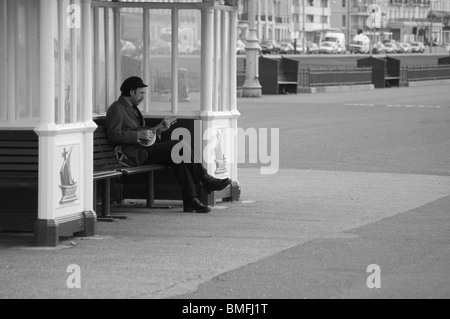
(189, 175)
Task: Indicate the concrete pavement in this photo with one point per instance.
(160, 254)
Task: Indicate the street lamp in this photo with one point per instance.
(252, 87)
(322, 3)
(304, 26)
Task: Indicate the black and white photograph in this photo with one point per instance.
(224, 158)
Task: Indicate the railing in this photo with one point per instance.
(426, 72)
(334, 76)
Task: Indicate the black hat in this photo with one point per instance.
(132, 83)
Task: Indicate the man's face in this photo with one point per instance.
(137, 96)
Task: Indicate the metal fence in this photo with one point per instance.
(314, 77)
(334, 76)
(425, 73)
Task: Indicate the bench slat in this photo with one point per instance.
(106, 174)
(17, 151)
(15, 159)
(142, 169)
(18, 144)
(18, 167)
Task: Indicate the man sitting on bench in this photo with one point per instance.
(126, 128)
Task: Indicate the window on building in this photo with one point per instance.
(344, 21)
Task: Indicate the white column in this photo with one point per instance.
(233, 64)
(146, 62)
(207, 59)
(47, 62)
(217, 58)
(175, 64)
(224, 63)
(61, 113)
(47, 127)
(87, 60)
(87, 106)
(118, 52)
(232, 96)
(96, 52)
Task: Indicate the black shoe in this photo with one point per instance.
(216, 185)
(196, 206)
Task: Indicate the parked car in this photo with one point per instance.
(391, 47)
(270, 47)
(161, 47)
(360, 44)
(404, 47)
(417, 47)
(286, 48)
(312, 48)
(379, 48)
(240, 47)
(433, 43)
(128, 48)
(328, 48)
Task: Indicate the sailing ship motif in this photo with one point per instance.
(68, 184)
(221, 161)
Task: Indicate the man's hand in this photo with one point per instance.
(145, 135)
(165, 126)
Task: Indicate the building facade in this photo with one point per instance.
(401, 20)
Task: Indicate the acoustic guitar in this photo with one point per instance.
(150, 142)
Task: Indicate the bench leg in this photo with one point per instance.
(151, 193)
(106, 203)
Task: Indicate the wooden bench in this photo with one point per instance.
(107, 167)
(19, 167)
(287, 76)
(392, 78)
(278, 76)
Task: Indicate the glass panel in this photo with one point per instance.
(34, 59)
(59, 95)
(67, 101)
(189, 36)
(111, 65)
(160, 59)
(131, 38)
(21, 61)
(101, 103)
(3, 52)
(79, 65)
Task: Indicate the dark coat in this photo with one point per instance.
(122, 122)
